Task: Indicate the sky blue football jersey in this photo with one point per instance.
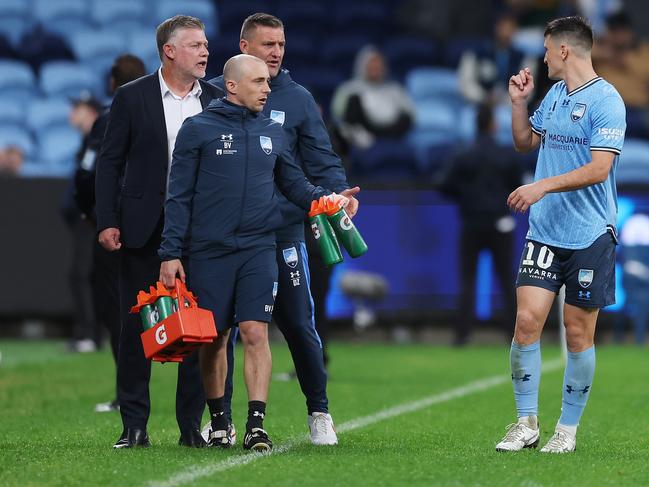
(571, 125)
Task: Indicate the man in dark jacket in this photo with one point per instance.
(222, 208)
(478, 179)
(292, 106)
(144, 120)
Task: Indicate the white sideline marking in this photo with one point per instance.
(194, 473)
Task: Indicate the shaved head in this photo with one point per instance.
(246, 81)
(239, 65)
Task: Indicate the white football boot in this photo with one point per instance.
(522, 434)
(321, 426)
(231, 433)
(563, 440)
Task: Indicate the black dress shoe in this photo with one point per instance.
(192, 438)
(132, 437)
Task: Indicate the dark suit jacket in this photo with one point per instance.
(134, 152)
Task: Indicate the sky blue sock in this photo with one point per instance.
(525, 361)
(577, 380)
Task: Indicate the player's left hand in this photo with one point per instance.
(525, 196)
(352, 205)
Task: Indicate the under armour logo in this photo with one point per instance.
(525, 378)
(570, 389)
(258, 414)
(227, 137)
(566, 102)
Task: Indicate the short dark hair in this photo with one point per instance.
(168, 28)
(575, 29)
(255, 20)
(126, 68)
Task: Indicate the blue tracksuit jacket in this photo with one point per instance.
(221, 195)
(294, 108)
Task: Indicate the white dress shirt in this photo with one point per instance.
(176, 110)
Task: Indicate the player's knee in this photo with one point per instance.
(578, 337)
(254, 334)
(528, 327)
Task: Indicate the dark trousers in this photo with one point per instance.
(320, 285)
(140, 268)
(472, 241)
(294, 316)
(81, 275)
(106, 293)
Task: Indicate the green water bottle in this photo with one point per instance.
(164, 306)
(347, 232)
(148, 316)
(324, 236)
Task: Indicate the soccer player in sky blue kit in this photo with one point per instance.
(580, 128)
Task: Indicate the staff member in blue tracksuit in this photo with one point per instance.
(262, 35)
(222, 206)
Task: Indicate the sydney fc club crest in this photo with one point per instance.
(266, 144)
(290, 257)
(578, 111)
(278, 116)
(585, 277)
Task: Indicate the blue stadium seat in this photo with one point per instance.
(425, 144)
(65, 78)
(341, 51)
(320, 81)
(57, 147)
(432, 83)
(503, 119)
(300, 52)
(529, 41)
(386, 160)
(142, 44)
(19, 137)
(633, 168)
(97, 49)
(63, 16)
(436, 115)
(203, 9)
(44, 113)
(119, 15)
(12, 111)
(406, 53)
(14, 19)
(466, 123)
(232, 14)
(17, 79)
(302, 18)
(454, 49)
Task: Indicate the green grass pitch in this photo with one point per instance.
(49, 434)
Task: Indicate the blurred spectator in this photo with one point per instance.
(635, 255)
(623, 60)
(369, 106)
(480, 179)
(11, 160)
(126, 68)
(86, 335)
(484, 74)
(39, 46)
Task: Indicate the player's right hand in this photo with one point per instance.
(168, 271)
(521, 85)
(109, 239)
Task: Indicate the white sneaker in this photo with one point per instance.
(522, 434)
(321, 426)
(231, 432)
(562, 441)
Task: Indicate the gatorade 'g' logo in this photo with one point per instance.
(346, 223)
(161, 335)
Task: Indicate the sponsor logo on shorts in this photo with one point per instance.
(584, 295)
(535, 273)
(290, 257)
(585, 277)
(295, 277)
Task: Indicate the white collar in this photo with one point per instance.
(164, 89)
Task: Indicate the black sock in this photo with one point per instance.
(217, 413)
(256, 413)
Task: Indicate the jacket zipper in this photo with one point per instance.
(245, 170)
